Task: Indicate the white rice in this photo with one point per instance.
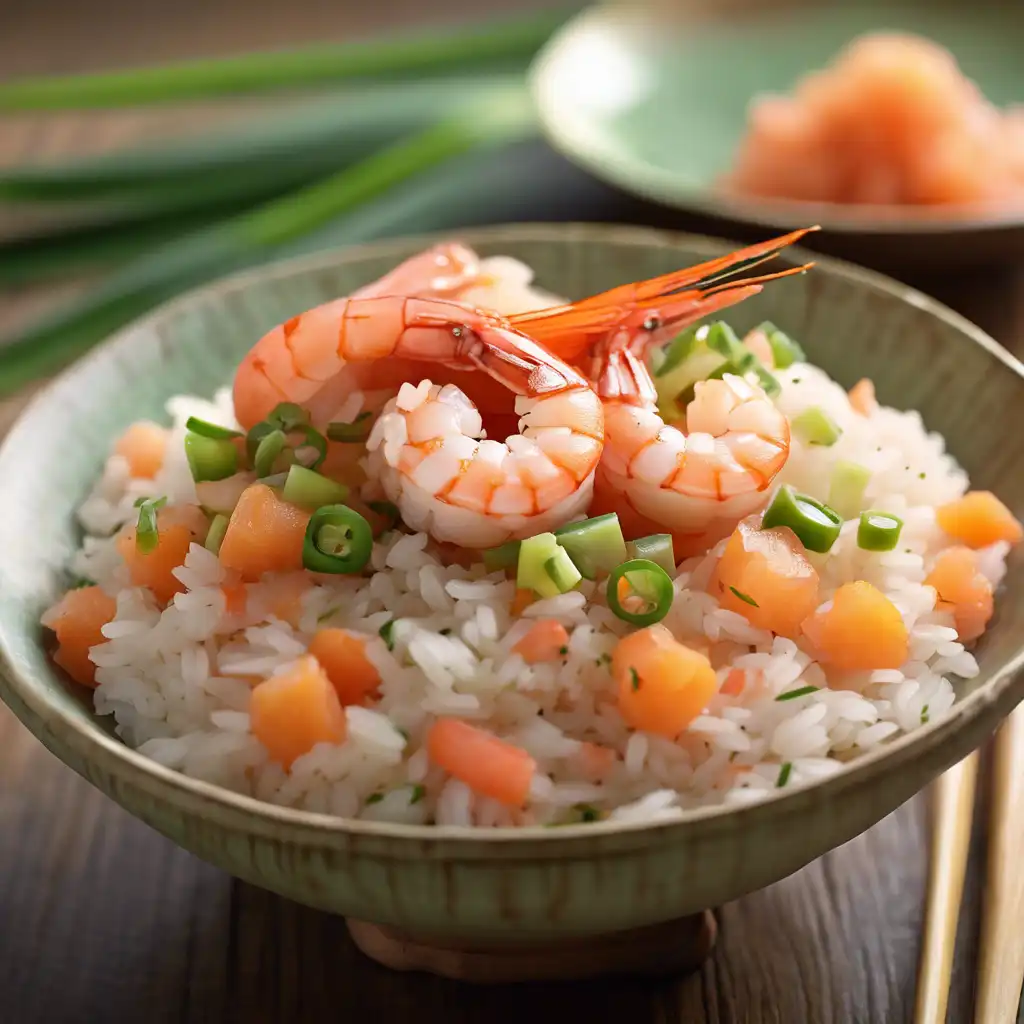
(178, 681)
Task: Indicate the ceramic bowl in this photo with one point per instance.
(652, 96)
(538, 883)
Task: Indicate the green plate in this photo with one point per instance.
(652, 97)
(488, 884)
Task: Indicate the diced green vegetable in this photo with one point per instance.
(595, 545)
(532, 573)
(210, 458)
(562, 571)
(147, 535)
(310, 489)
(679, 349)
(215, 534)
(815, 426)
(847, 487)
(785, 351)
(723, 339)
(649, 583)
(878, 531)
(658, 548)
(504, 556)
(784, 772)
(816, 525)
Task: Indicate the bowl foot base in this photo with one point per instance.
(670, 948)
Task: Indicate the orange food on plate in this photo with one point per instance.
(142, 446)
(892, 121)
(979, 519)
(265, 534)
(343, 657)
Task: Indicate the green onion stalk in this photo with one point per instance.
(488, 119)
(410, 56)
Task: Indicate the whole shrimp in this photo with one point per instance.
(697, 480)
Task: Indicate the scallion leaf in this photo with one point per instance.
(746, 598)
(147, 535)
(784, 772)
(802, 691)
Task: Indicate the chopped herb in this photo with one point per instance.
(803, 691)
(402, 733)
(385, 633)
(418, 793)
(357, 430)
(606, 659)
(147, 535)
(374, 798)
(447, 631)
(81, 581)
(326, 615)
(733, 756)
(784, 773)
(635, 678)
(745, 597)
(924, 715)
(563, 651)
(796, 380)
(588, 813)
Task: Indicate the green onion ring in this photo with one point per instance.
(338, 540)
(348, 433)
(650, 582)
(270, 447)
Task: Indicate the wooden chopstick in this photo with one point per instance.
(951, 840)
(1001, 957)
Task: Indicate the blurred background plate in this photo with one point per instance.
(652, 97)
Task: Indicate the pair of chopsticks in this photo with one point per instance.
(1001, 954)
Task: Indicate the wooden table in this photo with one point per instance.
(102, 919)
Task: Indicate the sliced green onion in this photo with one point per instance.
(657, 547)
(814, 523)
(315, 440)
(210, 458)
(878, 531)
(924, 714)
(595, 545)
(338, 540)
(374, 798)
(267, 451)
(679, 349)
(387, 510)
(147, 536)
(769, 383)
(815, 426)
(562, 572)
(784, 772)
(847, 487)
(745, 598)
(504, 556)
(418, 793)
(531, 569)
(723, 339)
(386, 633)
(802, 691)
(215, 534)
(288, 416)
(206, 429)
(312, 490)
(785, 351)
(650, 583)
(357, 430)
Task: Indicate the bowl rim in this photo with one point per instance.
(579, 143)
(31, 699)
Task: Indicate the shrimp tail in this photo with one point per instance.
(669, 302)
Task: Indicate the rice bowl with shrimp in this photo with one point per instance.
(696, 571)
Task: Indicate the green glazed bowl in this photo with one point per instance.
(652, 96)
(476, 886)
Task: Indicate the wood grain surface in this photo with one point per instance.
(102, 919)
